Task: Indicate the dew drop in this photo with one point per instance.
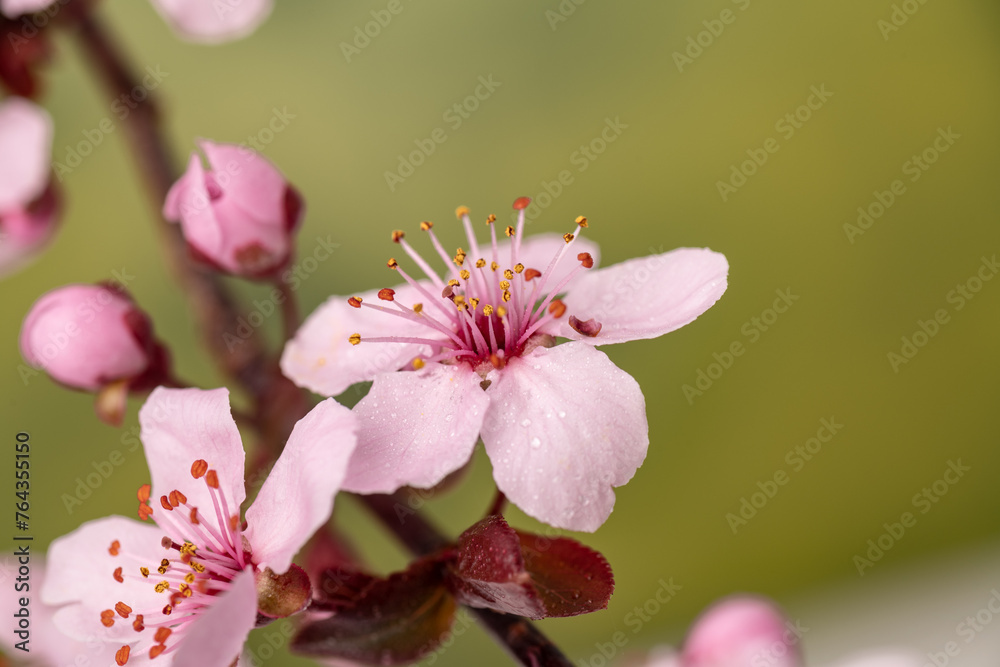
(525, 423)
(536, 443)
(562, 415)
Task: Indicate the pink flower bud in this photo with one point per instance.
(94, 338)
(213, 22)
(742, 632)
(239, 215)
(29, 205)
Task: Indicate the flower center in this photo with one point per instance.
(192, 573)
(488, 311)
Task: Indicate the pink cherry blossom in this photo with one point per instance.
(561, 423)
(29, 205)
(240, 214)
(203, 21)
(743, 631)
(184, 588)
(48, 646)
(213, 21)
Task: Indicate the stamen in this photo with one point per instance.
(199, 468)
(121, 656)
(386, 294)
(123, 609)
(426, 225)
(118, 575)
(145, 511)
(108, 618)
(137, 624)
(392, 263)
(531, 274)
(354, 339)
(557, 308)
(355, 301)
(114, 548)
(143, 493)
(398, 235)
(509, 231)
(521, 203)
(582, 221)
(567, 237)
(212, 479)
(589, 327)
(156, 650)
(586, 260)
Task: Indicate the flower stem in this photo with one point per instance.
(522, 640)
(498, 505)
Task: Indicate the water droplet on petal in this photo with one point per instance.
(526, 422)
(536, 443)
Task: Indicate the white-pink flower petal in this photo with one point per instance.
(26, 147)
(181, 426)
(81, 567)
(215, 21)
(321, 359)
(646, 297)
(565, 426)
(216, 637)
(297, 496)
(416, 428)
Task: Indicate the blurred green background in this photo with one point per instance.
(562, 75)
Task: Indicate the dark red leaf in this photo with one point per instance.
(529, 575)
(392, 621)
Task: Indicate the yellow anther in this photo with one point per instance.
(494, 266)
(474, 303)
(354, 339)
(392, 263)
(418, 363)
(567, 237)
(506, 296)
(397, 235)
(464, 273)
(197, 567)
(188, 549)
(508, 274)
(480, 263)
(505, 284)
(460, 257)
(518, 268)
(162, 586)
(461, 211)
(501, 311)
(487, 310)
(418, 308)
(189, 577)
(144, 571)
(491, 219)
(453, 283)
(509, 231)
(426, 225)
(582, 221)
